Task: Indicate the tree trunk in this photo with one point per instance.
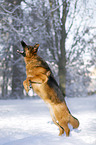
(17, 76)
(17, 73)
(3, 84)
(62, 57)
(62, 73)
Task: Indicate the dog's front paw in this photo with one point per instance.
(26, 86)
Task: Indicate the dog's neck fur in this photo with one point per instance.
(30, 60)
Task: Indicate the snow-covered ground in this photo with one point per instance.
(28, 122)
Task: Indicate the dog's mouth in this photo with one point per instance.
(22, 52)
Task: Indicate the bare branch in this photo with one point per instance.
(9, 12)
(75, 6)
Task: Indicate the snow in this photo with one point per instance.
(28, 122)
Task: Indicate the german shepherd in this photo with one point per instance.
(40, 77)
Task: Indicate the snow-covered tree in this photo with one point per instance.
(10, 27)
(64, 32)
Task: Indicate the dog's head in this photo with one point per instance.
(28, 51)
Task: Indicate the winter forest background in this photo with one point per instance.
(66, 32)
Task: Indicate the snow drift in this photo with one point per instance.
(28, 122)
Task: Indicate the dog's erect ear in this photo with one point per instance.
(23, 43)
(36, 47)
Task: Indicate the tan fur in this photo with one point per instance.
(43, 83)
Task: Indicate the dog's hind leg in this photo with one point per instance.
(64, 124)
(61, 129)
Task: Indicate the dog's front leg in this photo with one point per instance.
(26, 85)
(36, 80)
(39, 79)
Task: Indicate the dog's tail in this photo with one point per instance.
(74, 121)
